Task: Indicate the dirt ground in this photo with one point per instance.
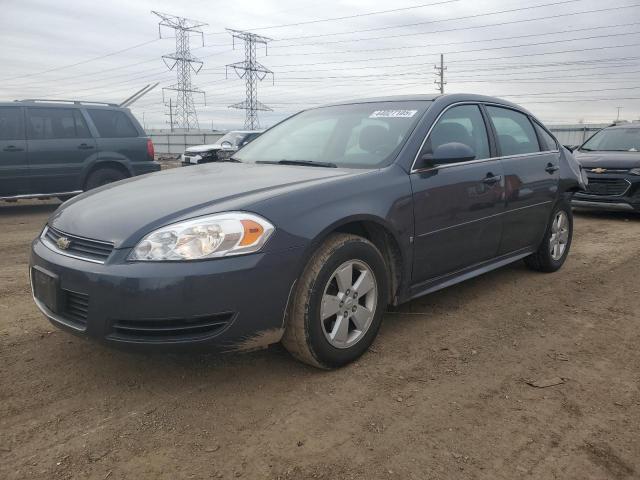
(442, 395)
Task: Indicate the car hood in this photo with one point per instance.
(621, 160)
(207, 148)
(125, 211)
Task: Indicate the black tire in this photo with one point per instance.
(542, 260)
(103, 176)
(304, 335)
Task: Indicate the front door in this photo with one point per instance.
(60, 145)
(530, 160)
(457, 206)
(14, 169)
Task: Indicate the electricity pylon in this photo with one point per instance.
(252, 71)
(184, 113)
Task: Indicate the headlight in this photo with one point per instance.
(635, 171)
(212, 236)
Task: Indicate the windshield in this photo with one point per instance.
(614, 140)
(234, 138)
(363, 135)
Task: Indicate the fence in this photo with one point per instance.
(572, 135)
(175, 143)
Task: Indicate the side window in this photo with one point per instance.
(11, 126)
(516, 135)
(82, 130)
(462, 124)
(548, 142)
(112, 123)
(52, 123)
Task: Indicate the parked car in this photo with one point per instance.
(312, 231)
(54, 148)
(221, 150)
(611, 159)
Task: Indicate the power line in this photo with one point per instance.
(454, 52)
(347, 17)
(71, 65)
(482, 40)
(429, 22)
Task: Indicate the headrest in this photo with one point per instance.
(373, 137)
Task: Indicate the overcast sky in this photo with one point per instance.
(572, 61)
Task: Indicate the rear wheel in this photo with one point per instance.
(339, 302)
(103, 176)
(555, 246)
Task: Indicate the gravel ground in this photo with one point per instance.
(443, 394)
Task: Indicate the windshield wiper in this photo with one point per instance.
(304, 163)
(230, 159)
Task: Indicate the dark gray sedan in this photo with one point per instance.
(310, 231)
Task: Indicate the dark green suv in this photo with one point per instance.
(60, 148)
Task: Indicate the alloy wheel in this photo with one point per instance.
(559, 235)
(349, 304)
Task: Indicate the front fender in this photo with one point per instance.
(305, 217)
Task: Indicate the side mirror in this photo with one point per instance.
(452, 152)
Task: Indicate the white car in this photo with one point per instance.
(222, 150)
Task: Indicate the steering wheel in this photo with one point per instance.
(226, 144)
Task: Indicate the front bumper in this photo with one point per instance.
(228, 304)
(601, 193)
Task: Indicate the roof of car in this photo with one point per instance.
(59, 103)
(453, 97)
(625, 125)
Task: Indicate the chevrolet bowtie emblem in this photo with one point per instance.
(598, 170)
(63, 243)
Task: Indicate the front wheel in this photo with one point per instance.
(339, 302)
(555, 246)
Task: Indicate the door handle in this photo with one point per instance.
(551, 168)
(12, 148)
(84, 146)
(491, 179)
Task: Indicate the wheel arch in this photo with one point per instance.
(99, 164)
(382, 235)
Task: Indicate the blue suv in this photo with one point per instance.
(62, 148)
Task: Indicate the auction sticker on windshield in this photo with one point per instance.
(393, 114)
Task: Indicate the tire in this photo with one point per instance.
(307, 334)
(545, 259)
(103, 176)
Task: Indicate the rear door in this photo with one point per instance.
(14, 169)
(457, 206)
(60, 146)
(118, 137)
(530, 161)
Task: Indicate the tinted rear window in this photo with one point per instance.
(11, 123)
(112, 124)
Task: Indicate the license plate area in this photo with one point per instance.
(46, 289)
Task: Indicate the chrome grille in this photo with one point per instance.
(607, 186)
(84, 248)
